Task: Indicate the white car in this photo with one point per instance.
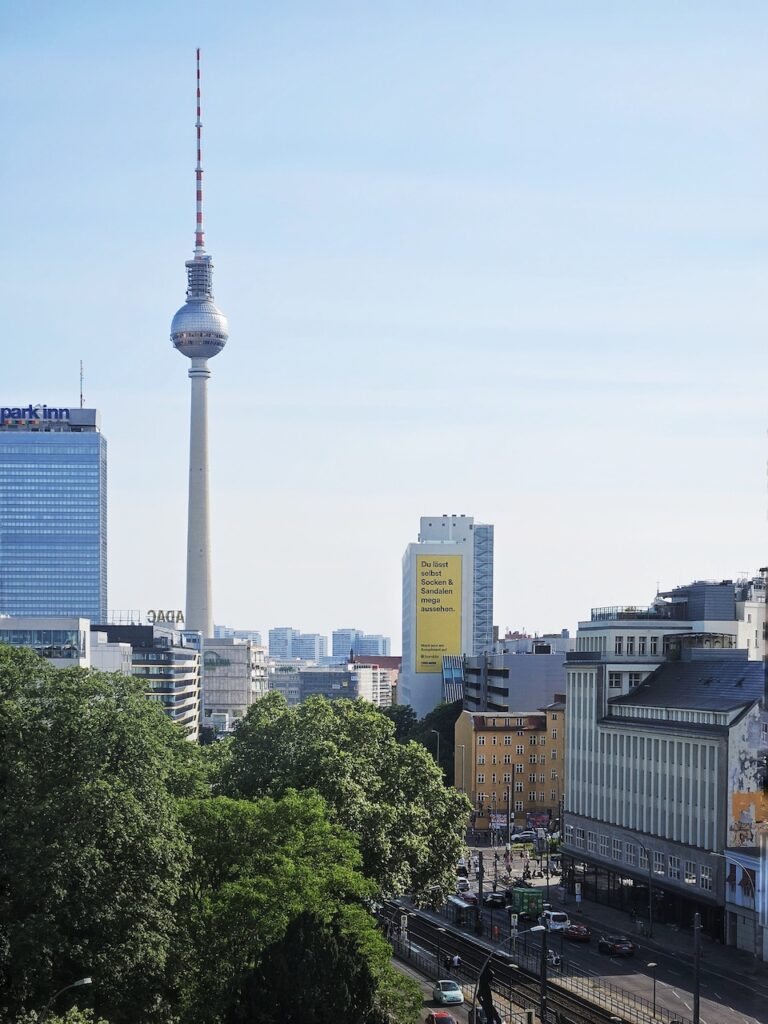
(462, 885)
(447, 993)
(555, 920)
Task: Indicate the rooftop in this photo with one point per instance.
(709, 684)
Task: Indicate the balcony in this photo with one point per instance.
(631, 611)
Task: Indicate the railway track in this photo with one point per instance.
(519, 984)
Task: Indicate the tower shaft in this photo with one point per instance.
(199, 613)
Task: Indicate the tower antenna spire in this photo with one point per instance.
(81, 384)
(199, 234)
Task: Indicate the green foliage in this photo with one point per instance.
(443, 718)
(73, 1016)
(404, 719)
(409, 826)
(90, 849)
(254, 869)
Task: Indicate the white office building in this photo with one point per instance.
(234, 677)
(447, 603)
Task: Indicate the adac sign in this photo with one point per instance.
(158, 615)
(33, 412)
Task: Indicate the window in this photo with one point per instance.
(532, 777)
(673, 869)
(705, 878)
(614, 680)
(507, 759)
(634, 679)
(518, 787)
(521, 733)
(654, 645)
(541, 797)
(643, 858)
(618, 645)
(604, 846)
(553, 773)
(531, 741)
(659, 863)
(519, 749)
(481, 758)
(690, 872)
(532, 759)
(493, 777)
(569, 833)
(592, 841)
(521, 721)
(542, 778)
(507, 776)
(481, 778)
(553, 795)
(579, 838)
(518, 769)
(493, 740)
(518, 805)
(630, 645)
(617, 849)
(553, 755)
(630, 854)
(542, 741)
(507, 741)
(481, 741)
(554, 734)
(554, 717)
(532, 797)
(493, 759)
(642, 643)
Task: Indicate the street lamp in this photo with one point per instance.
(438, 746)
(650, 888)
(55, 996)
(462, 747)
(440, 931)
(653, 968)
(493, 952)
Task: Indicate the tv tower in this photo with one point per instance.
(199, 331)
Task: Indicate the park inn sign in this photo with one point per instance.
(33, 412)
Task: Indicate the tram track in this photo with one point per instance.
(519, 984)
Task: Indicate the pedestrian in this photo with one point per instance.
(455, 961)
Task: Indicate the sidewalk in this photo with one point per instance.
(666, 939)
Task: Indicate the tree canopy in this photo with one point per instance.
(409, 826)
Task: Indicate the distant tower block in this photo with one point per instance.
(199, 331)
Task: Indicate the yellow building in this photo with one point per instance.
(511, 766)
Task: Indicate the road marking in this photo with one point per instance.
(717, 994)
(675, 993)
(676, 973)
(686, 1005)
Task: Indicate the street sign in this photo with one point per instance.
(578, 892)
(403, 922)
(513, 920)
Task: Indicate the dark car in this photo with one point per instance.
(616, 945)
(495, 899)
(577, 933)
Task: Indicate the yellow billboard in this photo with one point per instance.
(438, 610)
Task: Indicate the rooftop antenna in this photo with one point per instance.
(81, 384)
(199, 238)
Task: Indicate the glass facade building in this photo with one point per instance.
(53, 513)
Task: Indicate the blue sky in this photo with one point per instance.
(495, 258)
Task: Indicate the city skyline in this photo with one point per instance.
(514, 265)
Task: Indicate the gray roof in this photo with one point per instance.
(713, 684)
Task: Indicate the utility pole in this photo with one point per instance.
(478, 908)
(696, 966)
(543, 977)
(509, 815)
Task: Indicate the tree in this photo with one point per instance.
(443, 719)
(409, 826)
(256, 867)
(90, 849)
(404, 719)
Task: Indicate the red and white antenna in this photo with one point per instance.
(199, 239)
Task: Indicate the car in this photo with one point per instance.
(555, 920)
(440, 1017)
(577, 932)
(495, 899)
(523, 837)
(616, 945)
(462, 885)
(468, 896)
(448, 993)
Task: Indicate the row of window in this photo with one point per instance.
(533, 741)
(518, 805)
(507, 777)
(635, 855)
(507, 759)
(615, 679)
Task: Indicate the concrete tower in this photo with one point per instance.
(199, 331)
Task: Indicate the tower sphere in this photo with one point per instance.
(199, 330)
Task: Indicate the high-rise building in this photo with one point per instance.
(286, 643)
(447, 603)
(354, 640)
(224, 632)
(53, 512)
(235, 676)
(199, 331)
